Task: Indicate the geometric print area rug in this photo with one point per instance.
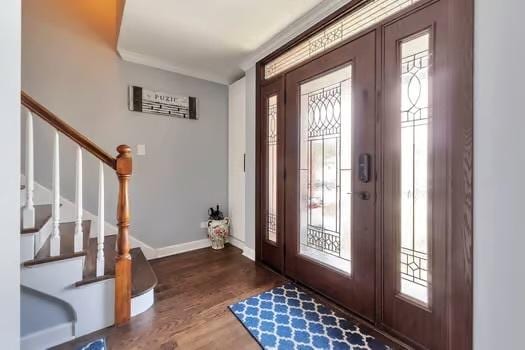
(287, 318)
(99, 344)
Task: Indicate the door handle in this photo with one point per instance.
(364, 195)
(364, 167)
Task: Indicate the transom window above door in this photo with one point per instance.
(357, 21)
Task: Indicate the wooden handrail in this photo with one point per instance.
(123, 261)
(122, 165)
(67, 130)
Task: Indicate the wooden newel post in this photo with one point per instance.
(123, 263)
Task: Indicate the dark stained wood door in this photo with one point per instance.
(420, 187)
(417, 148)
(329, 204)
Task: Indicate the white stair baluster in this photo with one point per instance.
(28, 212)
(79, 235)
(100, 221)
(55, 235)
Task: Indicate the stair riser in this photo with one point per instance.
(48, 337)
(30, 244)
(27, 247)
(141, 303)
(42, 235)
(53, 277)
(93, 303)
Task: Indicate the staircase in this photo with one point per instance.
(103, 281)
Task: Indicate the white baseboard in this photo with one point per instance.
(155, 253)
(246, 251)
(47, 338)
(149, 251)
(249, 253)
(182, 248)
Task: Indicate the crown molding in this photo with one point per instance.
(297, 27)
(150, 61)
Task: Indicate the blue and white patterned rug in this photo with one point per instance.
(99, 344)
(287, 318)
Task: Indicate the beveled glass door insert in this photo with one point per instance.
(330, 121)
(415, 123)
(271, 174)
(326, 169)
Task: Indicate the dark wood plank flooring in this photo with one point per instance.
(190, 312)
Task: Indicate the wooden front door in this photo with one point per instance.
(367, 195)
(330, 183)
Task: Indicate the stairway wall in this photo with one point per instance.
(9, 174)
(69, 64)
(499, 164)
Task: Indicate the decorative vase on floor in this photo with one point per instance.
(218, 230)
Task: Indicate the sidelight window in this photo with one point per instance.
(416, 116)
(272, 141)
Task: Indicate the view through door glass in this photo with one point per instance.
(326, 170)
(415, 117)
(271, 247)
(330, 120)
(271, 133)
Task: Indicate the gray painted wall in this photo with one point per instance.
(70, 65)
(499, 167)
(10, 175)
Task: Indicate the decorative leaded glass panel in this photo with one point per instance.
(325, 169)
(357, 21)
(272, 141)
(415, 125)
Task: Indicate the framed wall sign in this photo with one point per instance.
(161, 103)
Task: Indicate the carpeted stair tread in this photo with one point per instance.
(67, 237)
(43, 213)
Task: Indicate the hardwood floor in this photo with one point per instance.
(190, 312)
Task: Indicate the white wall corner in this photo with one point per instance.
(149, 251)
(249, 253)
(297, 27)
(246, 251)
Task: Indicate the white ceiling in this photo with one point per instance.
(207, 39)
